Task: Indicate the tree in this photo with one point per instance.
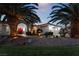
(67, 13)
(17, 11)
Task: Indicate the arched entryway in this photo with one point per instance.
(22, 29)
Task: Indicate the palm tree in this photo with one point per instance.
(16, 11)
(67, 13)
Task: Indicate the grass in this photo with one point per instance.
(39, 51)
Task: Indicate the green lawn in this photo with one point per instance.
(39, 51)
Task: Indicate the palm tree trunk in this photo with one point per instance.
(13, 26)
(75, 29)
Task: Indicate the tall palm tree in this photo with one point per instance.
(67, 13)
(16, 11)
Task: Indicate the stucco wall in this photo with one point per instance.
(4, 29)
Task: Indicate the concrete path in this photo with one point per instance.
(54, 42)
(34, 41)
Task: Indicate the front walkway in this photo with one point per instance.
(36, 41)
(54, 41)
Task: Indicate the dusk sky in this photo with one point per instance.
(43, 11)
